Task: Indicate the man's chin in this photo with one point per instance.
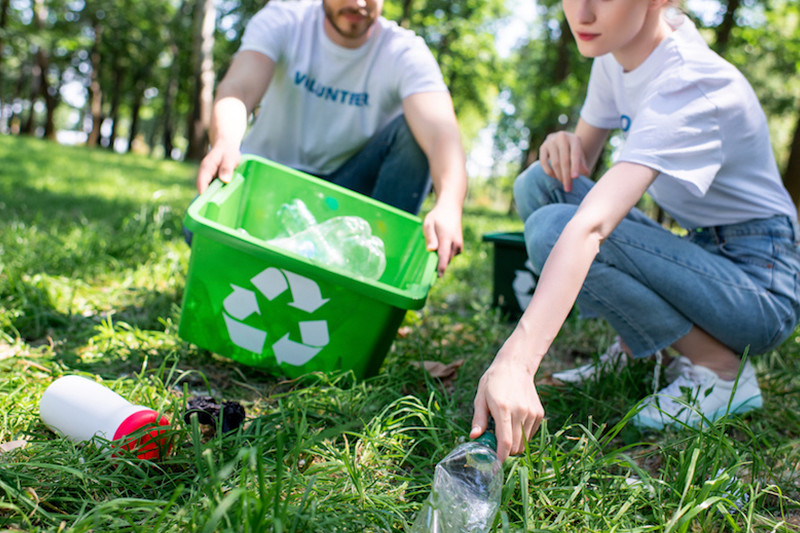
(352, 31)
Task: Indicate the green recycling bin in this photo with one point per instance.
(264, 306)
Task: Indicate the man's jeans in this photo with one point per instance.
(740, 283)
(391, 168)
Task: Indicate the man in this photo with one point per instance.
(351, 98)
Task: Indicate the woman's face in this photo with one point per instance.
(611, 26)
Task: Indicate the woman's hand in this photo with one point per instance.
(507, 393)
(562, 157)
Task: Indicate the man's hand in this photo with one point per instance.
(433, 123)
(219, 162)
(243, 86)
(442, 230)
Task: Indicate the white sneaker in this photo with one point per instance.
(699, 395)
(614, 359)
(676, 368)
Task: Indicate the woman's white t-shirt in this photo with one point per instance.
(325, 101)
(694, 118)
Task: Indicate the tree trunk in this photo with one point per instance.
(135, 108)
(116, 98)
(206, 17)
(169, 98)
(95, 92)
(29, 126)
(40, 65)
(51, 100)
(791, 176)
(405, 20)
(14, 120)
(168, 122)
(3, 24)
(726, 26)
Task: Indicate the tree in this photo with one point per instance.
(4, 7)
(205, 19)
(770, 35)
(546, 91)
(460, 33)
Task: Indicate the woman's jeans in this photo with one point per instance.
(739, 283)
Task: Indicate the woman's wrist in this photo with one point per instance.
(518, 351)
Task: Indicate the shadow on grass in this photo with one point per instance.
(28, 205)
(48, 184)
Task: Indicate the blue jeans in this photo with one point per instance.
(391, 168)
(740, 283)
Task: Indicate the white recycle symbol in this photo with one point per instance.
(272, 282)
(523, 285)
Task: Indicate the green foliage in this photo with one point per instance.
(775, 76)
(92, 265)
(547, 86)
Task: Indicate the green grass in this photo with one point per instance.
(92, 269)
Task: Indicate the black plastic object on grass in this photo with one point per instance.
(229, 416)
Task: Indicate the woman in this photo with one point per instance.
(697, 141)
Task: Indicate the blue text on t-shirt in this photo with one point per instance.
(340, 96)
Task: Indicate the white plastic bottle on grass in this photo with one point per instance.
(466, 492)
(80, 409)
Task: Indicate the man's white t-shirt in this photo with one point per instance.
(694, 118)
(325, 101)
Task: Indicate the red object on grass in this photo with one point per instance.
(148, 446)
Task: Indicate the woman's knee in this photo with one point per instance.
(530, 190)
(543, 228)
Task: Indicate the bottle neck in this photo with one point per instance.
(487, 438)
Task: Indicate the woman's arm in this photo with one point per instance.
(507, 391)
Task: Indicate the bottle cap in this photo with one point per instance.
(149, 445)
(487, 438)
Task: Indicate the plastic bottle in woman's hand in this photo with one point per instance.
(467, 487)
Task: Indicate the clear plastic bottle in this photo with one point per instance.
(345, 242)
(467, 487)
(361, 252)
(294, 216)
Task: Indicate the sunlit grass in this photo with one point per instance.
(92, 269)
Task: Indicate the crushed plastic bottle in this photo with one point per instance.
(467, 487)
(295, 217)
(345, 242)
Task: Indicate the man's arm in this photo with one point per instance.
(238, 93)
(432, 120)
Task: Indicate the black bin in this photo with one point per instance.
(513, 278)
